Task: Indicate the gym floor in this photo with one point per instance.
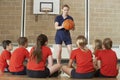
(8, 76)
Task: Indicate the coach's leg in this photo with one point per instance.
(58, 51)
(69, 48)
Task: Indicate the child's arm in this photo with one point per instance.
(95, 63)
(99, 64)
(8, 61)
(50, 61)
(70, 63)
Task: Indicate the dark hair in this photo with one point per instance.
(81, 41)
(37, 53)
(65, 5)
(22, 40)
(6, 43)
(107, 43)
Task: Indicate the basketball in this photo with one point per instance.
(68, 24)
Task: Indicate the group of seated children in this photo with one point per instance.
(40, 61)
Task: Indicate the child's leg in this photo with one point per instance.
(67, 70)
(58, 51)
(54, 68)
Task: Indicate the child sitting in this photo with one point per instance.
(5, 55)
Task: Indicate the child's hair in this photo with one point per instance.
(22, 41)
(65, 5)
(81, 41)
(107, 43)
(98, 44)
(6, 43)
(37, 53)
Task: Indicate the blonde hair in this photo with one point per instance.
(81, 41)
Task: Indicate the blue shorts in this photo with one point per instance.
(63, 36)
(74, 74)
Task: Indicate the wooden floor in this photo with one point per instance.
(8, 76)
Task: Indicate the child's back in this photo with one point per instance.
(83, 60)
(108, 60)
(39, 54)
(18, 57)
(33, 65)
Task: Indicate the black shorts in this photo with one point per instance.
(38, 74)
(74, 74)
(23, 72)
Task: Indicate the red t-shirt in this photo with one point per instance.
(108, 60)
(97, 52)
(83, 60)
(33, 65)
(5, 55)
(17, 59)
